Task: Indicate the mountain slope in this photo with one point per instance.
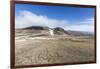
(46, 31)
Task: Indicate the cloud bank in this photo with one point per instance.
(86, 25)
(27, 18)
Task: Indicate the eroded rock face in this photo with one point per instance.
(59, 31)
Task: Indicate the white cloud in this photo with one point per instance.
(27, 18)
(85, 25)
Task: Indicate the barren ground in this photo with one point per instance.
(49, 50)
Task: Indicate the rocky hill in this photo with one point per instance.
(40, 30)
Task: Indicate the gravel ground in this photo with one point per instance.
(49, 51)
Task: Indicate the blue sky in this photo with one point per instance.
(69, 18)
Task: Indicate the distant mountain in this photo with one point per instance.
(80, 33)
(56, 31)
(37, 28)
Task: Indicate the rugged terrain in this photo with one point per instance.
(35, 45)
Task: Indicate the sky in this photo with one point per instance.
(66, 17)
